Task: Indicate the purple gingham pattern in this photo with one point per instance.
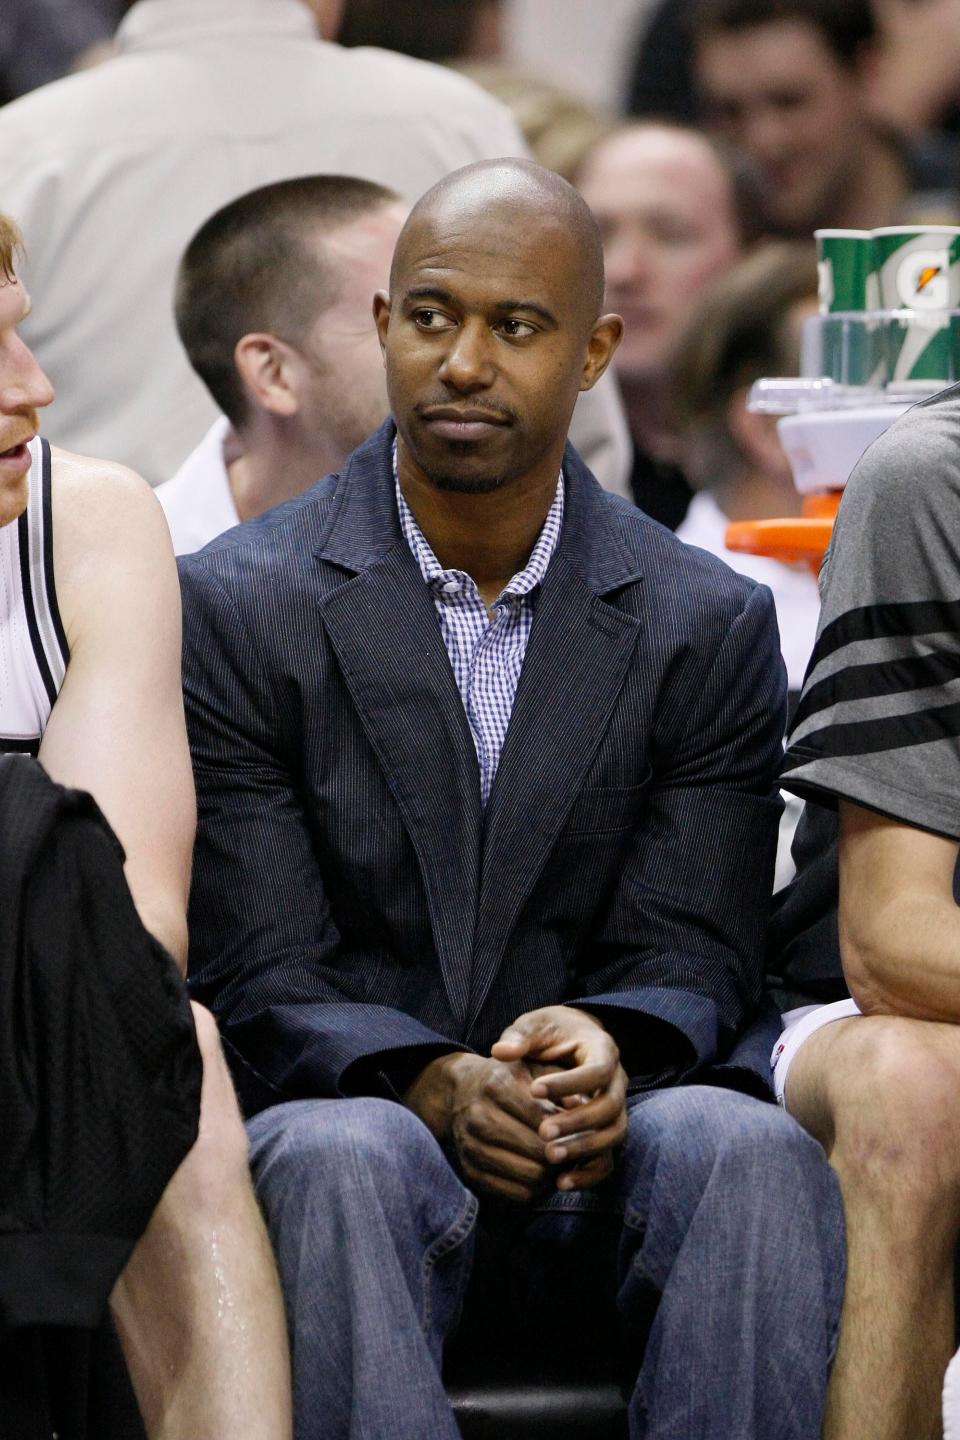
(486, 655)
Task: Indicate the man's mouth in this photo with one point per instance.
(16, 455)
(454, 422)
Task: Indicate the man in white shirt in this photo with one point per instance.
(287, 348)
(110, 173)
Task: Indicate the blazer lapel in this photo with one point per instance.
(577, 658)
(384, 630)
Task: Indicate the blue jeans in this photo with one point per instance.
(719, 1242)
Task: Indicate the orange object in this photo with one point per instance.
(795, 537)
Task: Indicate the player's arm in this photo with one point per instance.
(899, 923)
(117, 728)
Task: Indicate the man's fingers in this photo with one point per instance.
(588, 1144)
(484, 1159)
(585, 1079)
(603, 1110)
(512, 1096)
(513, 1190)
(488, 1124)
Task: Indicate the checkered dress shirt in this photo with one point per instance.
(486, 655)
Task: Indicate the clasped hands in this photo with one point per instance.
(544, 1111)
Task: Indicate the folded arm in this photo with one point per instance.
(899, 922)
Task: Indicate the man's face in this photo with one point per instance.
(485, 340)
(779, 93)
(664, 206)
(342, 388)
(23, 388)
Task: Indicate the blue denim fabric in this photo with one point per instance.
(716, 1249)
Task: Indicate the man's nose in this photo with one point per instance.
(24, 386)
(468, 364)
(765, 135)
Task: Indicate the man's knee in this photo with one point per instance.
(345, 1150)
(888, 1088)
(732, 1141)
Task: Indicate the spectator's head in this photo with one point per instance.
(23, 386)
(748, 327)
(492, 326)
(782, 81)
(674, 211)
(273, 305)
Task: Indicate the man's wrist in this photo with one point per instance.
(430, 1096)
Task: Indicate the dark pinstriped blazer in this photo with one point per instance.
(354, 912)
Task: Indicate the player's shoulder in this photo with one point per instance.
(101, 496)
(109, 532)
(914, 464)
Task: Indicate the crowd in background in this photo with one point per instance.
(724, 125)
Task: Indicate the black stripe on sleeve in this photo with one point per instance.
(49, 583)
(882, 677)
(885, 622)
(23, 536)
(866, 737)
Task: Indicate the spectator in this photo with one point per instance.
(274, 305)
(784, 81)
(748, 326)
(430, 833)
(914, 78)
(89, 651)
(113, 170)
(874, 750)
(675, 212)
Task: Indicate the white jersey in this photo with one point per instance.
(33, 647)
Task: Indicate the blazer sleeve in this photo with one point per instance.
(263, 942)
(676, 973)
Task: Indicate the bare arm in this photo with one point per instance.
(899, 925)
(117, 728)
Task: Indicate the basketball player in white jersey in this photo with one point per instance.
(90, 681)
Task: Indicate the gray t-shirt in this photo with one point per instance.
(878, 721)
(879, 717)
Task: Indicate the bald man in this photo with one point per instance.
(485, 764)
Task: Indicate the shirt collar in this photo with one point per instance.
(156, 24)
(522, 583)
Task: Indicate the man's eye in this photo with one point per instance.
(430, 319)
(516, 329)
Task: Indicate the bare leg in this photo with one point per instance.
(881, 1094)
(198, 1307)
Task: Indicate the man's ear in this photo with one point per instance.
(604, 339)
(381, 317)
(264, 365)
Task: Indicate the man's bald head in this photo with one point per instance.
(527, 196)
(492, 326)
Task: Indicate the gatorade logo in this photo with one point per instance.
(923, 280)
